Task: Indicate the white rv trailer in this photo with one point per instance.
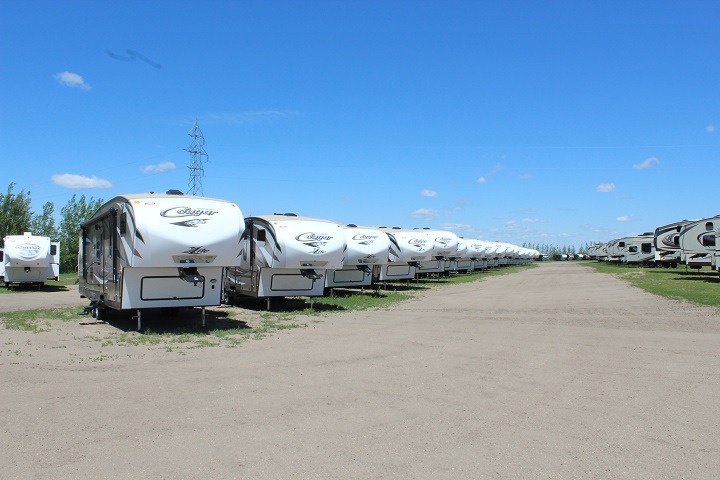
(494, 251)
(594, 251)
(638, 249)
(284, 255)
(666, 240)
(444, 247)
(477, 253)
(698, 240)
(366, 247)
(407, 249)
(144, 251)
(29, 258)
(462, 261)
(614, 254)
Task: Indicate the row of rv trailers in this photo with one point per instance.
(170, 250)
(693, 243)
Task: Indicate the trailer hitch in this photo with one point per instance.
(311, 274)
(191, 275)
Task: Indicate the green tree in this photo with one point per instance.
(72, 216)
(44, 224)
(15, 213)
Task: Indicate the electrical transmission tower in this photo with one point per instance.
(197, 151)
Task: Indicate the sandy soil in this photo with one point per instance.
(556, 372)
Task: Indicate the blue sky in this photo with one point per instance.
(559, 122)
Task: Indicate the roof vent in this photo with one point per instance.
(352, 225)
(174, 192)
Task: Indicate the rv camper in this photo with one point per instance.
(666, 240)
(612, 251)
(476, 251)
(638, 249)
(29, 259)
(144, 251)
(444, 247)
(366, 247)
(407, 249)
(462, 261)
(698, 240)
(285, 255)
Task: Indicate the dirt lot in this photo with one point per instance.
(556, 372)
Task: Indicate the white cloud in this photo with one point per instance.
(496, 169)
(69, 79)
(482, 180)
(710, 128)
(646, 164)
(429, 193)
(525, 176)
(623, 218)
(458, 226)
(69, 180)
(159, 168)
(605, 187)
(425, 213)
(530, 220)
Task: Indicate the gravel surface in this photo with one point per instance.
(556, 372)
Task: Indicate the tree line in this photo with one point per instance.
(552, 250)
(17, 217)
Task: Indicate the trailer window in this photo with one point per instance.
(676, 241)
(2, 255)
(53, 249)
(621, 244)
(708, 240)
(646, 247)
(261, 235)
(123, 223)
(632, 249)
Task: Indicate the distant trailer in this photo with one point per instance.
(444, 248)
(284, 255)
(407, 249)
(476, 251)
(462, 261)
(366, 247)
(698, 242)
(29, 259)
(149, 251)
(614, 253)
(639, 249)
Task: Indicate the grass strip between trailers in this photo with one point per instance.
(701, 287)
(229, 327)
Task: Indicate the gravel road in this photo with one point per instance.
(556, 372)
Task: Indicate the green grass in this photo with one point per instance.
(701, 287)
(29, 320)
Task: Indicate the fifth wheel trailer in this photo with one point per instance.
(407, 249)
(285, 255)
(29, 258)
(666, 240)
(144, 251)
(366, 247)
(698, 241)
